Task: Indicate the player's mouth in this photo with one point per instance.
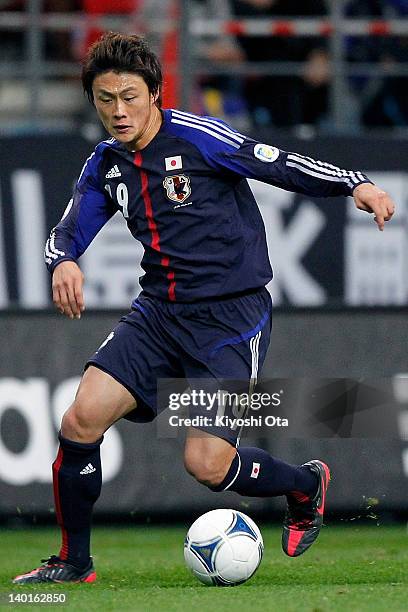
(122, 129)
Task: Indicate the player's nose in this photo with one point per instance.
(119, 110)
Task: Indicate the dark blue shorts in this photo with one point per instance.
(215, 340)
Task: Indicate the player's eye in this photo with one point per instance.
(130, 98)
(105, 100)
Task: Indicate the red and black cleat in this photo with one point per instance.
(304, 516)
(56, 570)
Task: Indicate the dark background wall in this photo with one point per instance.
(323, 251)
(41, 356)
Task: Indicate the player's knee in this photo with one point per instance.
(78, 424)
(209, 470)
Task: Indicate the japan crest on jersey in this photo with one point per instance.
(177, 187)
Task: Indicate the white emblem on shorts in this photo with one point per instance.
(88, 469)
(105, 342)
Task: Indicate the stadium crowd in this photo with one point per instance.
(281, 100)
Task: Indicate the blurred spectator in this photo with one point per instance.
(219, 95)
(396, 7)
(315, 83)
(58, 45)
(383, 98)
(286, 100)
(12, 41)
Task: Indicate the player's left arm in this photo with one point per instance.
(301, 174)
(372, 199)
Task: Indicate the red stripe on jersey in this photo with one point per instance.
(170, 275)
(63, 554)
(165, 261)
(172, 287)
(151, 223)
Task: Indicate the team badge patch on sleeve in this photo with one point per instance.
(266, 153)
(177, 187)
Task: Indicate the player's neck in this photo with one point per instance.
(150, 132)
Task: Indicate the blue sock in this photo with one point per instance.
(77, 478)
(254, 472)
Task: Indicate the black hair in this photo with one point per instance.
(122, 53)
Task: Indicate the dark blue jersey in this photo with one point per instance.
(186, 198)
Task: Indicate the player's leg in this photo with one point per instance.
(120, 381)
(77, 476)
(207, 457)
(247, 470)
(238, 355)
(252, 471)
(99, 402)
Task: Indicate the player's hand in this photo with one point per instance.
(67, 293)
(372, 199)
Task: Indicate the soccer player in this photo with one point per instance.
(204, 313)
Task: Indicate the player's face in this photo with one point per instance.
(126, 108)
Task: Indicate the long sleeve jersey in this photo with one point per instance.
(186, 198)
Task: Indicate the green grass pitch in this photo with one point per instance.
(142, 568)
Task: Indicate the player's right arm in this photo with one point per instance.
(67, 289)
(87, 212)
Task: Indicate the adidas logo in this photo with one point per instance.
(113, 172)
(88, 469)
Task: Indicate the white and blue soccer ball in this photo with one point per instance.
(223, 547)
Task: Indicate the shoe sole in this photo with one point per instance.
(87, 579)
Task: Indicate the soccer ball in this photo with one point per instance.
(223, 547)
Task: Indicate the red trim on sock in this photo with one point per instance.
(63, 554)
